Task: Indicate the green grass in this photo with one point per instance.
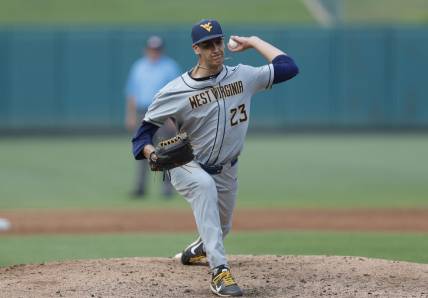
(166, 12)
(336, 171)
(330, 171)
(326, 171)
(36, 249)
(149, 11)
(386, 11)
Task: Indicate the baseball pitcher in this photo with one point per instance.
(211, 105)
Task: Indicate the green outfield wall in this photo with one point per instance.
(349, 77)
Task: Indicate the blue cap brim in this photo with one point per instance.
(208, 38)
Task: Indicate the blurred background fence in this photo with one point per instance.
(358, 77)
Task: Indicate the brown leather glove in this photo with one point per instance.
(171, 153)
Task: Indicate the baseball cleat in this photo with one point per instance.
(194, 254)
(223, 284)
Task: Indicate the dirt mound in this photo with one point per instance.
(259, 276)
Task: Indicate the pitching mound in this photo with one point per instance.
(259, 276)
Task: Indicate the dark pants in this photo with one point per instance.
(168, 130)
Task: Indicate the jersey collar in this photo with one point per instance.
(201, 84)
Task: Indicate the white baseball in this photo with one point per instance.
(4, 224)
(232, 44)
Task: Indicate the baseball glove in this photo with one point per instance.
(171, 153)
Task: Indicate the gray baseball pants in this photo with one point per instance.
(212, 198)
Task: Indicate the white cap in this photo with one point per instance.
(154, 42)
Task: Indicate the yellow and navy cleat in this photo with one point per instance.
(194, 254)
(223, 284)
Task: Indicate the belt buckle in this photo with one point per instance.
(218, 169)
(213, 170)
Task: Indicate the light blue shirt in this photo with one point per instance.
(147, 77)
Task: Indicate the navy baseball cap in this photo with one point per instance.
(206, 29)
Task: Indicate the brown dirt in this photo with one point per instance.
(99, 221)
(259, 276)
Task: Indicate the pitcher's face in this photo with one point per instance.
(211, 52)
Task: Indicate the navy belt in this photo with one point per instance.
(216, 169)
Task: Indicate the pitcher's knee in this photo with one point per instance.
(206, 184)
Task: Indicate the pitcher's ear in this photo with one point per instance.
(196, 49)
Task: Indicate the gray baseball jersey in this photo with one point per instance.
(213, 112)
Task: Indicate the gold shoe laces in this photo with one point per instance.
(226, 277)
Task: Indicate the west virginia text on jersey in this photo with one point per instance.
(215, 93)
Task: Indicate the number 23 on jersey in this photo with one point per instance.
(238, 115)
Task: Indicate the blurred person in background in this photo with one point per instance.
(146, 77)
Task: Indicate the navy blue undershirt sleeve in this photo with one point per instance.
(284, 68)
(142, 138)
